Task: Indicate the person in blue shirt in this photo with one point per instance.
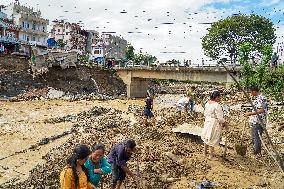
(118, 158)
(97, 164)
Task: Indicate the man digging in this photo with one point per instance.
(262, 107)
(118, 158)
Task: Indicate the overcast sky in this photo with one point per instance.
(146, 19)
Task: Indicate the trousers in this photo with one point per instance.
(256, 130)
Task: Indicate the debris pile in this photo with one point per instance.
(160, 165)
(135, 109)
(165, 158)
(74, 83)
(33, 94)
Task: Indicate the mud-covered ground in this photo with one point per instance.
(36, 137)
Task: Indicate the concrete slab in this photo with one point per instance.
(188, 129)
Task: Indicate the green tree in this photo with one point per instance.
(266, 52)
(149, 59)
(144, 59)
(139, 58)
(61, 43)
(226, 35)
(129, 52)
(245, 49)
(271, 81)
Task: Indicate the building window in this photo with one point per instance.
(33, 38)
(63, 30)
(25, 24)
(28, 38)
(34, 26)
(58, 30)
(43, 28)
(67, 33)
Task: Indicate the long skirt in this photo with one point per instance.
(211, 134)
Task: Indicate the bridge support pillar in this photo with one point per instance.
(230, 81)
(137, 88)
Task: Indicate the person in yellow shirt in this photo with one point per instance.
(75, 174)
(192, 98)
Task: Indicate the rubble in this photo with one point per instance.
(166, 159)
(18, 84)
(54, 94)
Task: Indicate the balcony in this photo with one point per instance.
(31, 18)
(38, 32)
(37, 43)
(6, 39)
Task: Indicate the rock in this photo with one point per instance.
(54, 94)
(166, 179)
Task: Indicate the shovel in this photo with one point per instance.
(241, 149)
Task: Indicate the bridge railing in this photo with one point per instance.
(169, 68)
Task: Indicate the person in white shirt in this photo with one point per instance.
(183, 104)
(261, 105)
(213, 124)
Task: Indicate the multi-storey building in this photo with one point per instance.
(97, 53)
(108, 47)
(33, 26)
(9, 34)
(93, 37)
(71, 34)
(114, 47)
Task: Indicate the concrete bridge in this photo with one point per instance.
(136, 79)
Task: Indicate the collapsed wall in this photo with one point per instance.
(16, 79)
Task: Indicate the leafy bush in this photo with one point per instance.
(270, 80)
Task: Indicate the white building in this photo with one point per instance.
(74, 37)
(34, 27)
(97, 53)
(93, 37)
(114, 47)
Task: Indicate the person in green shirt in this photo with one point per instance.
(97, 164)
(192, 97)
